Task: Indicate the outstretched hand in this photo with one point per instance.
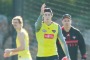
(42, 9)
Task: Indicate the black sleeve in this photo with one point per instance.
(81, 44)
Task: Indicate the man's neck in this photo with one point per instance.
(67, 29)
(18, 30)
(48, 23)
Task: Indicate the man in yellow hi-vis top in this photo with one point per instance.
(47, 33)
(22, 41)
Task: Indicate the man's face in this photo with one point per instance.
(47, 16)
(66, 22)
(16, 24)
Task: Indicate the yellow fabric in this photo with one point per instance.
(24, 59)
(25, 53)
(46, 39)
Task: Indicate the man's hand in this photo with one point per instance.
(7, 50)
(65, 58)
(84, 57)
(7, 53)
(42, 9)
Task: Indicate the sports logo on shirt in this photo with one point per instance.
(74, 37)
(68, 34)
(49, 36)
(53, 31)
(44, 30)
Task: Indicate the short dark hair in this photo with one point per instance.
(48, 10)
(66, 16)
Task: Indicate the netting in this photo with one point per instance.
(79, 9)
(30, 10)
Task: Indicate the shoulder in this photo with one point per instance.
(55, 23)
(75, 29)
(22, 32)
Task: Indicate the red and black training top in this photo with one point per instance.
(74, 40)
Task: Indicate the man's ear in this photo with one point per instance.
(62, 21)
(71, 21)
(52, 14)
(42, 17)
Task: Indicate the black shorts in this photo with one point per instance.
(54, 57)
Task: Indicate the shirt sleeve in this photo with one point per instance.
(38, 24)
(81, 44)
(62, 42)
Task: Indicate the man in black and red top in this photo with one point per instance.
(73, 38)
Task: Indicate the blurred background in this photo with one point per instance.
(30, 10)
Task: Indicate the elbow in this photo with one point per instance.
(22, 48)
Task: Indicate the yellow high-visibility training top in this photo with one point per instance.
(25, 53)
(46, 38)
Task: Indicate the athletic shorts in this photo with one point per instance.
(55, 57)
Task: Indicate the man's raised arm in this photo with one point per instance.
(38, 24)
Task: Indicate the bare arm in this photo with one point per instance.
(21, 37)
(62, 42)
(13, 53)
(10, 52)
(82, 45)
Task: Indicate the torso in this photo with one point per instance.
(46, 38)
(25, 53)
